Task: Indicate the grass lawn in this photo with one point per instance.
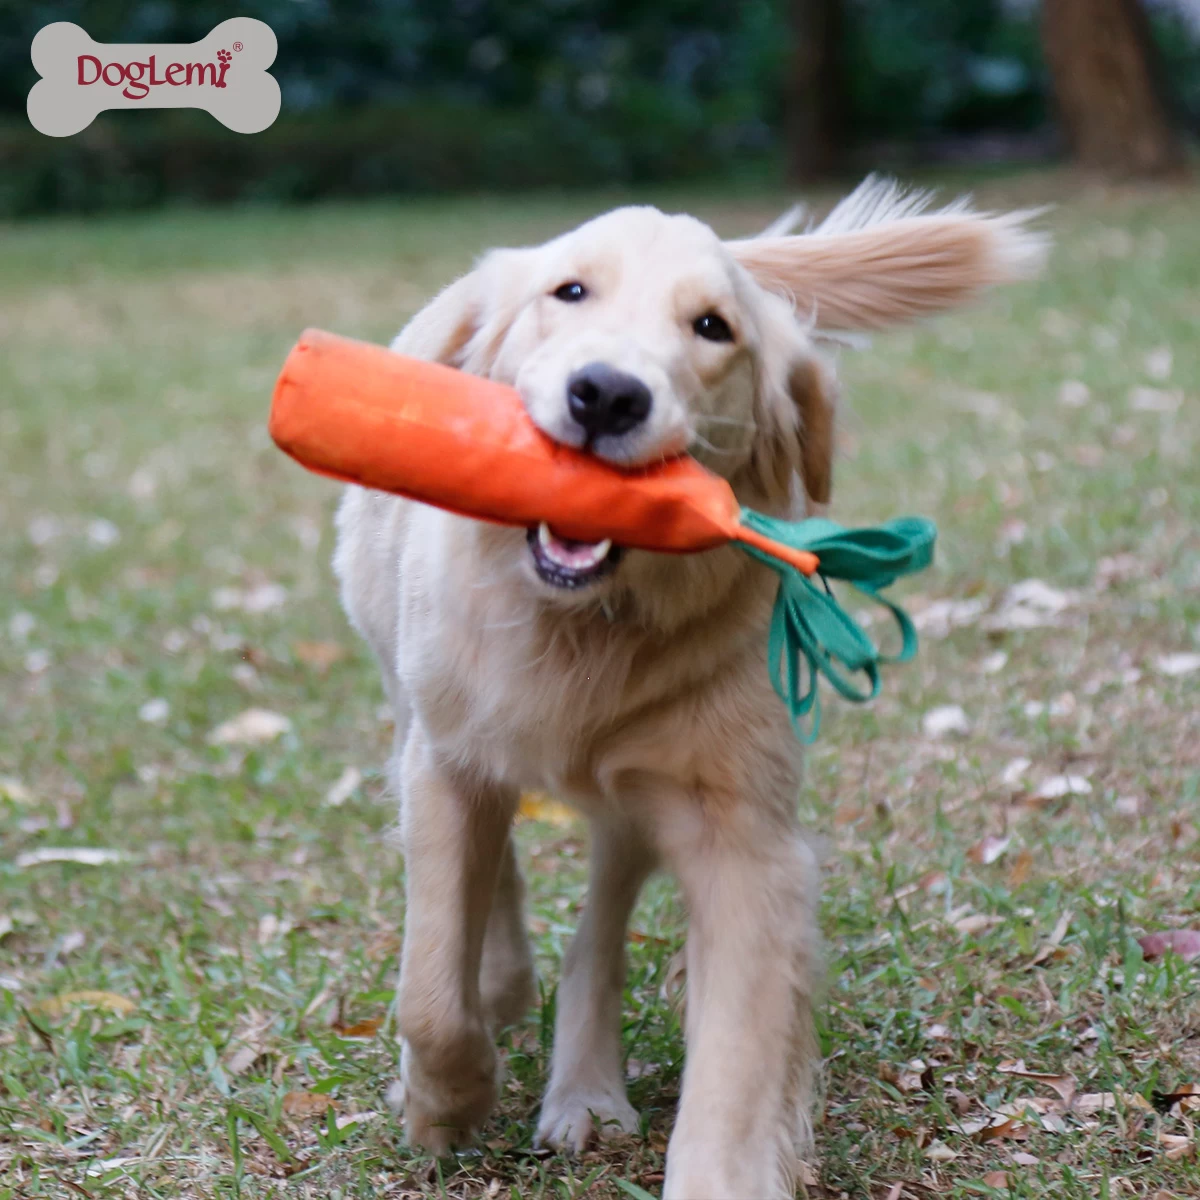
(207, 1014)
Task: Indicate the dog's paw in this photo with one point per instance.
(441, 1115)
(571, 1120)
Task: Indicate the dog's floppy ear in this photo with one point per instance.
(880, 259)
(814, 394)
(795, 415)
(463, 324)
(441, 330)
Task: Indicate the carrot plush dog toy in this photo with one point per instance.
(361, 414)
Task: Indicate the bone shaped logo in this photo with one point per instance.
(224, 73)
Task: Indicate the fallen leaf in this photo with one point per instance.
(55, 1006)
(103, 1165)
(1158, 363)
(1063, 1085)
(1187, 1097)
(254, 726)
(1048, 948)
(944, 720)
(976, 923)
(1074, 393)
(1014, 771)
(1177, 664)
(367, 1028)
(84, 855)
(939, 1152)
(155, 711)
(1018, 873)
(1154, 400)
(14, 790)
(348, 782)
(1176, 1145)
(1030, 604)
(1184, 942)
(641, 939)
(936, 620)
(319, 655)
(993, 663)
(537, 806)
(1025, 1160)
(356, 1118)
(988, 850)
(997, 1179)
(1057, 786)
(307, 1104)
(1094, 1102)
(260, 598)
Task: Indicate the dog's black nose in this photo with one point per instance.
(607, 401)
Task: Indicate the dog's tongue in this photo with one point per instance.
(575, 556)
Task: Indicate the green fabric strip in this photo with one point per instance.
(809, 627)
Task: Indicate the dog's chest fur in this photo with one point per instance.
(534, 695)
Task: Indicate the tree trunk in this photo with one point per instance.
(816, 94)
(1106, 77)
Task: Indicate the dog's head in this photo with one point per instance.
(639, 336)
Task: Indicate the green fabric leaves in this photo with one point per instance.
(809, 623)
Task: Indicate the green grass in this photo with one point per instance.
(137, 357)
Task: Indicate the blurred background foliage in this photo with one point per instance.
(449, 95)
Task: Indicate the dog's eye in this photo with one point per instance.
(571, 292)
(713, 328)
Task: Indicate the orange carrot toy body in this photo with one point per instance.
(467, 444)
(364, 415)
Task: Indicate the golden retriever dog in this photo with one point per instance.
(632, 685)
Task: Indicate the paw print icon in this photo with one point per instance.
(225, 56)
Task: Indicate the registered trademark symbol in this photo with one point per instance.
(238, 46)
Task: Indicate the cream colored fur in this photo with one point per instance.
(644, 699)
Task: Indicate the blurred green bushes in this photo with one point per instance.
(441, 95)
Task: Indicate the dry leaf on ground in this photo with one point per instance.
(307, 1104)
(357, 1118)
(1057, 786)
(15, 790)
(977, 922)
(87, 856)
(936, 620)
(988, 850)
(945, 720)
(367, 1028)
(1185, 1098)
(254, 726)
(1050, 947)
(1184, 942)
(261, 598)
(1177, 664)
(940, 1152)
(1176, 1145)
(55, 1006)
(537, 806)
(248, 1044)
(1030, 604)
(348, 782)
(319, 655)
(1063, 1084)
(1019, 872)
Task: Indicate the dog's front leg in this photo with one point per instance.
(586, 1097)
(455, 840)
(750, 881)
